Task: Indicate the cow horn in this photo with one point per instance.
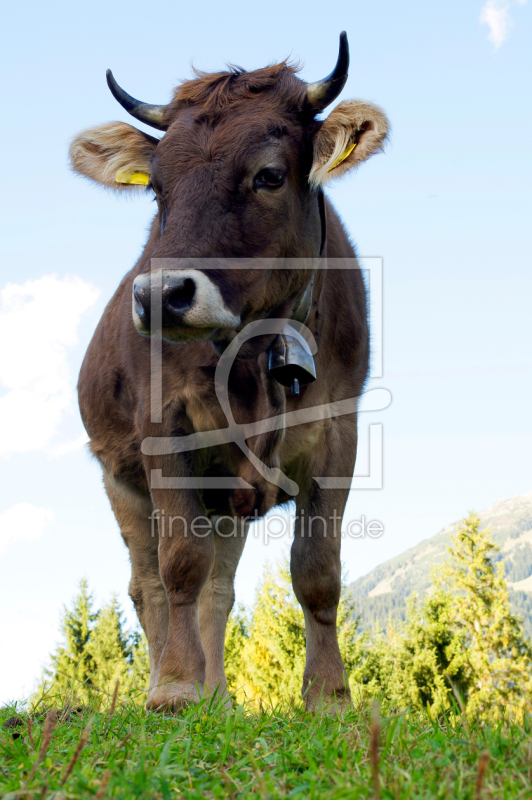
(151, 115)
(321, 93)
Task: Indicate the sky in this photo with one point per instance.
(446, 209)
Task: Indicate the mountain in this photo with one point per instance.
(382, 593)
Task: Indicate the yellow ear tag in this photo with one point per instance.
(141, 178)
(342, 157)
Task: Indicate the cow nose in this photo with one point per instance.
(177, 296)
(141, 302)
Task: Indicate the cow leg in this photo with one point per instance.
(316, 576)
(133, 512)
(217, 598)
(186, 558)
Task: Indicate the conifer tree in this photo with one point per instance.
(273, 654)
(429, 656)
(72, 666)
(373, 668)
(96, 651)
(139, 673)
(499, 658)
(108, 647)
(351, 643)
(236, 635)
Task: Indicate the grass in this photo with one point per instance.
(126, 752)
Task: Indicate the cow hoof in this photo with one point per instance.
(333, 705)
(173, 696)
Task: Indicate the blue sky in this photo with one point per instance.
(447, 208)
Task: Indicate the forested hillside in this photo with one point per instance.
(382, 593)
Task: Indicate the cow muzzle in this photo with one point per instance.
(181, 305)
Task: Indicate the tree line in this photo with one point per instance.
(461, 647)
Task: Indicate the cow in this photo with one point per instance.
(238, 179)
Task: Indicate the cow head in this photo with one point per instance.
(237, 175)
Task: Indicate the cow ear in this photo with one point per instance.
(352, 132)
(115, 155)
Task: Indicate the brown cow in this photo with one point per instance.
(237, 175)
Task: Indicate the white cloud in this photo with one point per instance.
(495, 14)
(23, 522)
(38, 326)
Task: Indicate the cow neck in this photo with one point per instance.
(290, 360)
(302, 312)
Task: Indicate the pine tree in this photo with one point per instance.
(109, 649)
(372, 671)
(351, 644)
(71, 673)
(429, 656)
(236, 635)
(498, 657)
(96, 651)
(139, 673)
(273, 653)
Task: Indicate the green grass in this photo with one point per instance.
(203, 752)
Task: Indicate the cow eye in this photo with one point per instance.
(269, 178)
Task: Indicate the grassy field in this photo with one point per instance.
(202, 752)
